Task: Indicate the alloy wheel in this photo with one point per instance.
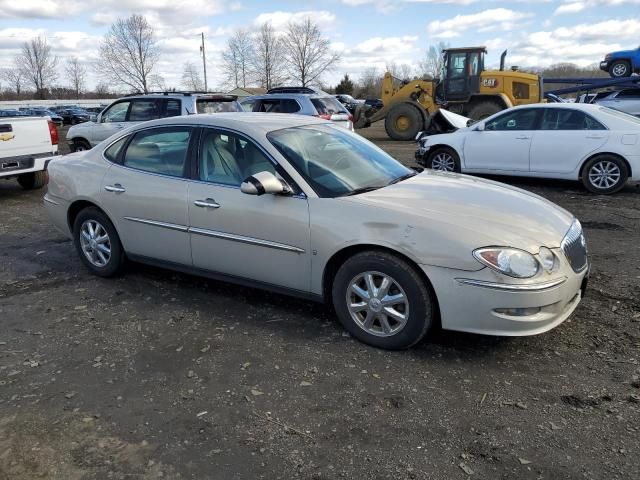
(620, 70)
(604, 175)
(95, 243)
(444, 162)
(377, 304)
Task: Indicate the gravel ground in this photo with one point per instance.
(162, 375)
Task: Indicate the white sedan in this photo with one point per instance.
(596, 145)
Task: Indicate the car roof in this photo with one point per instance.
(266, 96)
(573, 106)
(249, 122)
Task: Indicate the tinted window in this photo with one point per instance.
(289, 106)
(228, 158)
(143, 110)
(629, 93)
(520, 90)
(515, 120)
(159, 150)
(116, 113)
(457, 64)
(565, 119)
(270, 106)
(328, 105)
(112, 152)
(474, 65)
(172, 108)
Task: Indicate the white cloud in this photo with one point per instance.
(576, 6)
(40, 8)
(492, 19)
(280, 19)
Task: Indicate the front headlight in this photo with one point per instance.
(510, 261)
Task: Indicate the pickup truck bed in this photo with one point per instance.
(26, 147)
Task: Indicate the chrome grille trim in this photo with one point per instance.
(574, 247)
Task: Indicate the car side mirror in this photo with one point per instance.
(264, 182)
(93, 118)
(479, 127)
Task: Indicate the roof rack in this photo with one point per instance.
(186, 93)
(294, 90)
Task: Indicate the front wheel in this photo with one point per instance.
(444, 160)
(403, 122)
(381, 300)
(604, 174)
(620, 69)
(98, 243)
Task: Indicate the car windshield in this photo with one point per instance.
(336, 162)
(621, 115)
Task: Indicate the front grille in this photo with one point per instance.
(574, 247)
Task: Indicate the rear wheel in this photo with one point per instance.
(33, 180)
(403, 122)
(604, 174)
(483, 109)
(444, 160)
(80, 146)
(98, 243)
(381, 300)
(619, 69)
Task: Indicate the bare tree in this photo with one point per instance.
(191, 79)
(431, 65)
(76, 73)
(15, 77)
(129, 53)
(308, 53)
(38, 64)
(401, 71)
(268, 63)
(370, 83)
(237, 59)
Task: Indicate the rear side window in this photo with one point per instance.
(113, 151)
(159, 150)
(247, 105)
(204, 105)
(566, 119)
(289, 106)
(143, 110)
(270, 106)
(172, 108)
(629, 93)
(327, 106)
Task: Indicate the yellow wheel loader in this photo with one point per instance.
(465, 88)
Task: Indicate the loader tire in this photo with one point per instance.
(481, 110)
(403, 122)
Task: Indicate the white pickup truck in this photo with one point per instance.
(26, 147)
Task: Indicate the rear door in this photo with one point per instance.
(504, 144)
(565, 137)
(145, 193)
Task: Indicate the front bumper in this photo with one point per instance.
(421, 154)
(481, 302)
(604, 66)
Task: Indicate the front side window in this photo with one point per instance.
(116, 113)
(228, 158)
(515, 120)
(248, 105)
(336, 162)
(159, 150)
(144, 110)
(566, 119)
(457, 65)
(474, 64)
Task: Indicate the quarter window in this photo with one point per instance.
(113, 151)
(228, 159)
(116, 113)
(515, 120)
(159, 150)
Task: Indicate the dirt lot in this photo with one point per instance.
(161, 375)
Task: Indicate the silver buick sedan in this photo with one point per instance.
(297, 205)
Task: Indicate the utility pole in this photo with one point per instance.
(204, 63)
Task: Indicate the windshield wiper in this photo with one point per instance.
(361, 190)
(403, 177)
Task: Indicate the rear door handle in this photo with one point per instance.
(523, 137)
(116, 188)
(208, 203)
(595, 137)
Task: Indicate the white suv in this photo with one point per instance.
(133, 109)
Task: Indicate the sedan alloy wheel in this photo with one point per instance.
(444, 162)
(95, 243)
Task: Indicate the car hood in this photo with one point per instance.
(624, 53)
(79, 127)
(472, 212)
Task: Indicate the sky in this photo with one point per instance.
(367, 33)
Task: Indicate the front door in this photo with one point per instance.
(564, 139)
(504, 144)
(264, 238)
(145, 194)
(112, 120)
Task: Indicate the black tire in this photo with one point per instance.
(421, 303)
(483, 109)
(80, 146)
(437, 155)
(620, 69)
(403, 122)
(33, 180)
(117, 259)
(592, 176)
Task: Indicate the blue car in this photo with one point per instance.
(622, 63)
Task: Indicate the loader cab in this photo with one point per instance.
(462, 68)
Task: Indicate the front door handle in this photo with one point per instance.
(523, 137)
(207, 203)
(595, 137)
(116, 188)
